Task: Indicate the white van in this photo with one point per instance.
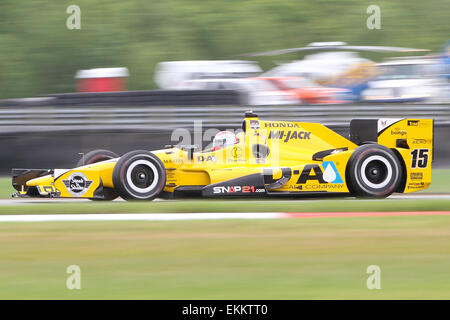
(176, 75)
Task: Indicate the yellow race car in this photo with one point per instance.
(381, 156)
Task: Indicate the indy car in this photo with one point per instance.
(266, 158)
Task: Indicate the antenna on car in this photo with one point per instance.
(82, 156)
(250, 114)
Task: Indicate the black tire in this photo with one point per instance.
(373, 171)
(139, 175)
(95, 156)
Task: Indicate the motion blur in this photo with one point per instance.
(227, 125)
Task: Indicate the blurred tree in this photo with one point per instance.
(39, 55)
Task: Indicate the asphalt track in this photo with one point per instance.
(205, 216)
(419, 196)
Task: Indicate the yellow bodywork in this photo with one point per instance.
(417, 158)
(291, 148)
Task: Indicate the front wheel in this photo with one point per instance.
(139, 175)
(373, 170)
(94, 156)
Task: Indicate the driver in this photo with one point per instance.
(224, 139)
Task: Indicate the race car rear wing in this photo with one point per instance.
(394, 133)
(411, 139)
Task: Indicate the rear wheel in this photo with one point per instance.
(373, 170)
(94, 157)
(139, 175)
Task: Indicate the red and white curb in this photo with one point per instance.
(202, 216)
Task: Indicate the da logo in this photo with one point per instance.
(77, 184)
(207, 158)
(330, 173)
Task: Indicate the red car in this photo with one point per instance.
(307, 91)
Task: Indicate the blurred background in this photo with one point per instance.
(136, 70)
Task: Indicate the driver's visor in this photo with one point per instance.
(220, 142)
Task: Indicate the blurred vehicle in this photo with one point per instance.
(268, 158)
(404, 80)
(309, 92)
(444, 72)
(342, 69)
(445, 56)
(257, 91)
(346, 70)
(102, 79)
(177, 74)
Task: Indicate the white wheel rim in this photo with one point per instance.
(388, 176)
(155, 176)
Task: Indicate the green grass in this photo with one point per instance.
(322, 258)
(6, 189)
(440, 181)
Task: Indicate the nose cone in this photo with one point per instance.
(45, 180)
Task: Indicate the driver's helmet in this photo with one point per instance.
(224, 139)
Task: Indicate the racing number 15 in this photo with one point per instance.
(419, 158)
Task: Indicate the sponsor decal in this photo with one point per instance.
(316, 187)
(289, 135)
(398, 131)
(235, 161)
(237, 152)
(254, 124)
(327, 174)
(281, 125)
(330, 173)
(413, 123)
(293, 187)
(385, 122)
(235, 189)
(311, 172)
(274, 183)
(421, 141)
(173, 160)
(48, 191)
(416, 175)
(207, 159)
(416, 185)
(77, 184)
